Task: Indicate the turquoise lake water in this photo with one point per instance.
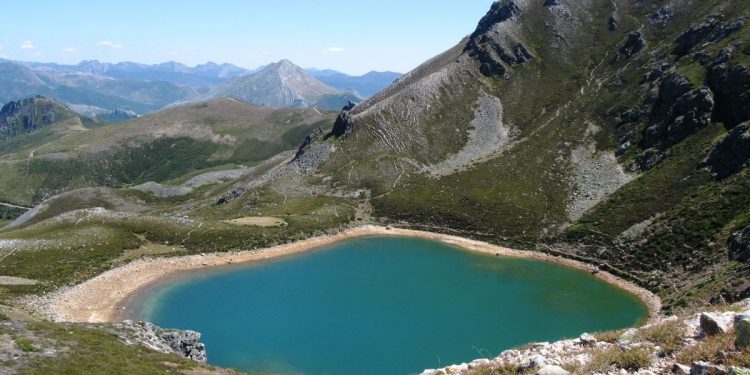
(383, 305)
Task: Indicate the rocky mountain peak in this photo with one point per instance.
(500, 11)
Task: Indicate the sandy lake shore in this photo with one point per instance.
(100, 299)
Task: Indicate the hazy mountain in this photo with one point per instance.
(283, 84)
(366, 85)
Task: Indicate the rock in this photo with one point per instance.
(711, 30)
(680, 369)
(678, 112)
(537, 361)
(28, 115)
(742, 330)
(660, 17)
(731, 85)
(728, 157)
(551, 3)
(633, 44)
(343, 122)
(705, 368)
(184, 343)
(626, 337)
(500, 11)
(647, 160)
(712, 324)
(613, 24)
(587, 339)
(739, 242)
(552, 370)
(740, 371)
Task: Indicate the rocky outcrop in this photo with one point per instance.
(661, 17)
(343, 121)
(633, 44)
(712, 324)
(678, 112)
(558, 357)
(732, 154)
(27, 115)
(711, 30)
(739, 245)
(490, 48)
(184, 343)
(732, 87)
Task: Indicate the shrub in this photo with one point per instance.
(716, 349)
(669, 336)
(630, 359)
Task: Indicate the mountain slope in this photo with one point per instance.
(283, 84)
(366, 85)
(223, 133)
(577, 128)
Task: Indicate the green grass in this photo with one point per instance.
(94, 351)
(26, 346)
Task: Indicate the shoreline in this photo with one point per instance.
(102, 299)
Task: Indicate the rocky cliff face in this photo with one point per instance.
(184, 343)
(30, 114)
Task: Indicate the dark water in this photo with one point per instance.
(382, 305)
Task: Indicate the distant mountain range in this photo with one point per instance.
(284, 84)
(365, 85)
(122, 90)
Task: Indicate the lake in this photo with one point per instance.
(382, 305)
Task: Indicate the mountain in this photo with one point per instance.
(18, 81)
(205, 75)
(366, 85)
(28, 115)
(157, 147)
(608, 132)
(283, 84)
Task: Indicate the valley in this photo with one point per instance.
(610, 136)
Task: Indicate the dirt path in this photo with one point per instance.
(100, 299)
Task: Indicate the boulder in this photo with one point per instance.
(705, 368)
(739, 244)
(680, 369)
(712, 324)
(742, 330)
(728, 157)
(731, 86)
(552, 370)
(633, 44)
(711, 30)
(587, 339)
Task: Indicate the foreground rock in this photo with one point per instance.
(184, 343)
(657, 345)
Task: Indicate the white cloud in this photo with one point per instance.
(334, 50)
(27, 45)
(172, 54)
(109, 43)
(68, 50)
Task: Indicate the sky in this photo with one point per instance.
(350, 36)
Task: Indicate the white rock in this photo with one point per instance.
(713, 324)
(552, 370)
(537, 361)
(705, 368)
(587, 339)
(680, 369)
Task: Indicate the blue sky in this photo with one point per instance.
(350, 36)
